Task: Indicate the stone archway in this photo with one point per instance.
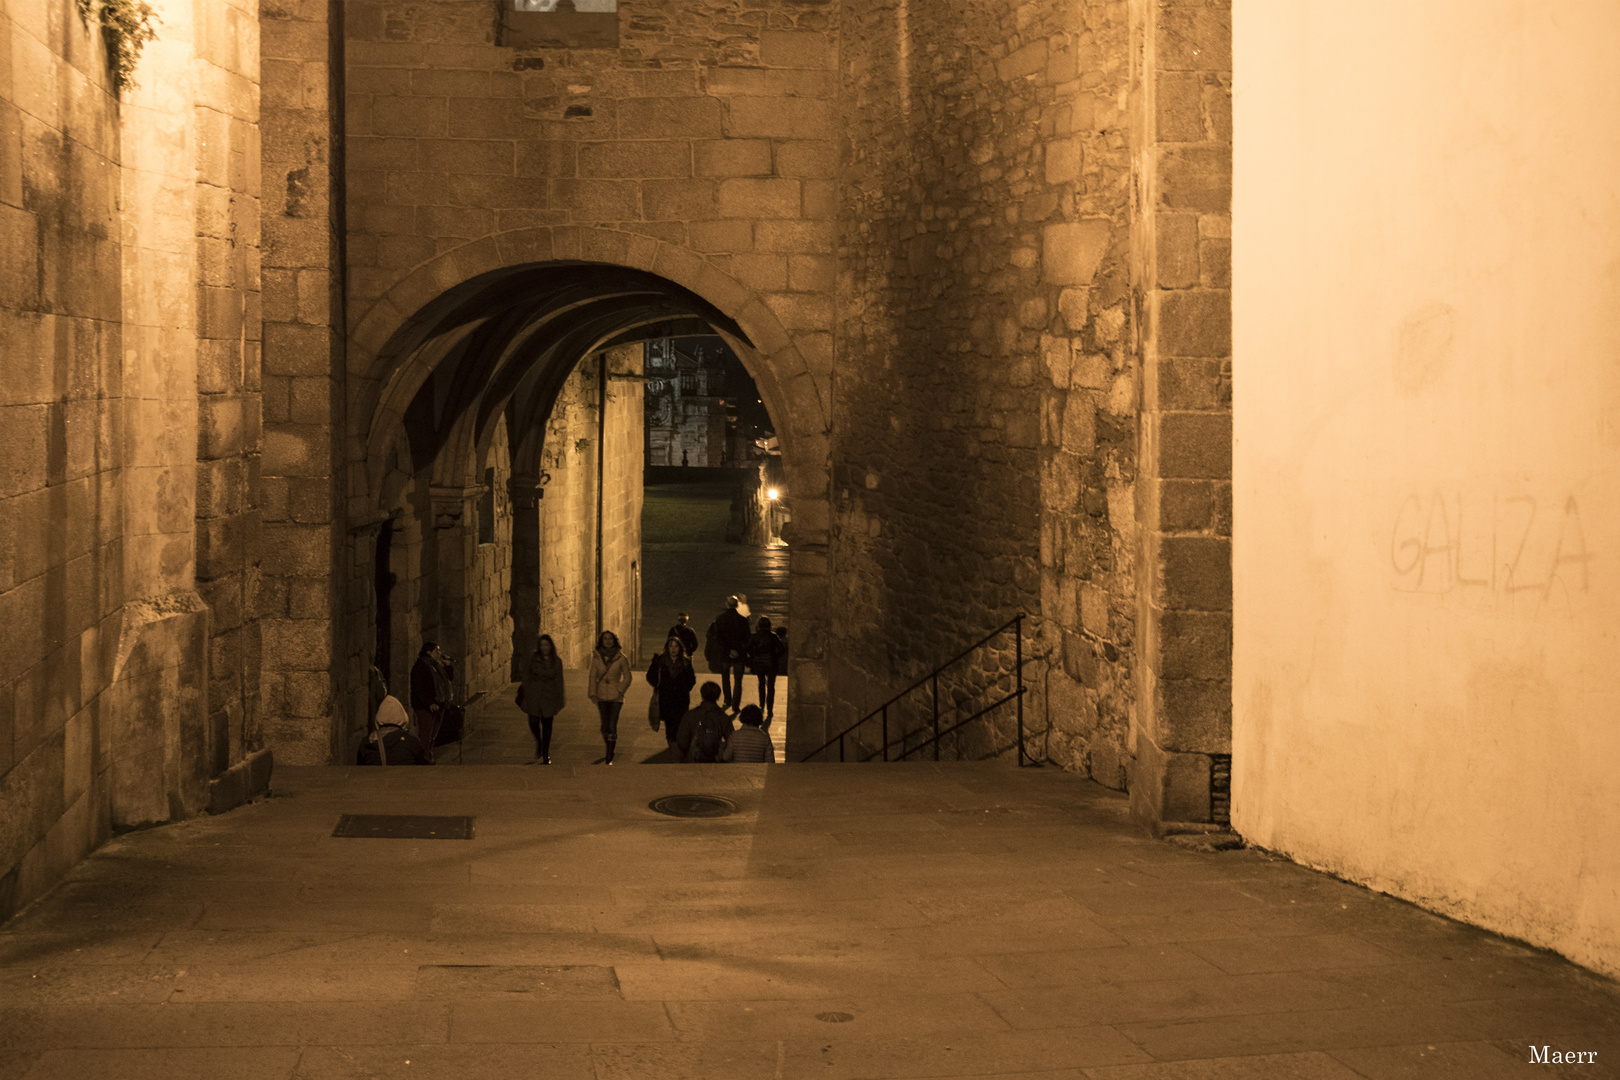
(393, 353)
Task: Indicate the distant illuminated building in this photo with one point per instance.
(686, 410)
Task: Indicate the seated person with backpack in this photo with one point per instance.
(706, 729)
(750, 745)
(389, 740)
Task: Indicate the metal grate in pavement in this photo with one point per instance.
(404, 827)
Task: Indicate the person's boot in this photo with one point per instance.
(610, 744)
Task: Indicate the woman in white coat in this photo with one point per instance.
(608, 679)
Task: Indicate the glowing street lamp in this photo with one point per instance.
(772, 494)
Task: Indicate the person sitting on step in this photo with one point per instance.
(706, 729)
(749, 744)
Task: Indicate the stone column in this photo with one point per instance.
(525, 490)
(455, 541)
(1183, 732)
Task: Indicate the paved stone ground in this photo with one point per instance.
(875, 921)
(688, 565)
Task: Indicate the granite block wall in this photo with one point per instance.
(984, 456)
(1182, 153)
(568, 512)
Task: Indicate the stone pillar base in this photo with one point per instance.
(1169, 788)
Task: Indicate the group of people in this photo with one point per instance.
(702, 733)
(432, 698)
(733, 648)
(694, 734)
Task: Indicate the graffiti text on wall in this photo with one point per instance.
(1505, 545)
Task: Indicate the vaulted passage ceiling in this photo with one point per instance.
(504, 343)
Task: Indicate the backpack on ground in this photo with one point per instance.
(452, 725)
(709, 738)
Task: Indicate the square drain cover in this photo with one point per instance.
(405, 827)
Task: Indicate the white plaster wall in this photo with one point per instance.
(1427, 475)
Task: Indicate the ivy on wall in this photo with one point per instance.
(126, 25)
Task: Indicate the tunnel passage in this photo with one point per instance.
(504, 457)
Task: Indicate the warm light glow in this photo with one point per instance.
(772, 494)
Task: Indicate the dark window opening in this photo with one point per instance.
(560, 24)
(486, 509)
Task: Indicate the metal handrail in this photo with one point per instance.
(882, 711)
(934, 739)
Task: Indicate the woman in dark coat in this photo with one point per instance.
(672, 676)
(765, 651)
(542, 694)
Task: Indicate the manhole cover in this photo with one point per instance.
(835, 1017)
(693, 806)
(404, 827)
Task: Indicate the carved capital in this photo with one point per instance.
(526, 489)
(452, 504)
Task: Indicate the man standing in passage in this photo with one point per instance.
(685, 634)
(732, 634)
(431, 691)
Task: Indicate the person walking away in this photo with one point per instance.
(431, 693)
(672, 678)
(765, 651)
(609, 678)
(705, 730)
(687, 636)
(541, 695)
(731, 630)
(749, 745)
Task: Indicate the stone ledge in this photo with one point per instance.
(1199, 836)
(243, 782)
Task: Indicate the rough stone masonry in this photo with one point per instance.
(975, 256)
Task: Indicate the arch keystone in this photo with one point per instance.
(525, 245)
(603, 245)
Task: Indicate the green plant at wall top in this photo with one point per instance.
(127, 25)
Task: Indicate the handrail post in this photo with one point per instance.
(1018, 654)
(885, 733)
(840, 748)
(936, 714)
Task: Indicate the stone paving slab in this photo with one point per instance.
(688, 565)
(849, 923)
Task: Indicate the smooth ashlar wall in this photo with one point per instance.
(1427, 472)
(129, 427)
